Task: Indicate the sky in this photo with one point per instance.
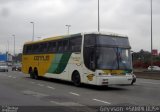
(128, 17)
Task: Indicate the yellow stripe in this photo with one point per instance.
(116, 72)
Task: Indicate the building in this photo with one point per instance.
(155, 52)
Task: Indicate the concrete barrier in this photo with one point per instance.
(148, 75)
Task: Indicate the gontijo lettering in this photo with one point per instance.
(41, 58)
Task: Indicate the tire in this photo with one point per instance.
(31, 73)
(134, 80)
(36, 74)
(76, 79)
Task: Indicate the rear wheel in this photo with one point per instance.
(76, 79)
(30, 71)
(36, 74)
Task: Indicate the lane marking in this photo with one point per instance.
(33, 82)
(74, 94)
(14, 77)
(33, 93)
(149, 82)
(67, 103)
(50, 87)
(40, 84)
(9, 76)
(102, 101)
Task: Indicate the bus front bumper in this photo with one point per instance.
(115, 80)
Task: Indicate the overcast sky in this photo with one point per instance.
(129, 17)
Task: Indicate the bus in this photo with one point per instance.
(89, 58)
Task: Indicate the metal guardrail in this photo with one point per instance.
(148, 75)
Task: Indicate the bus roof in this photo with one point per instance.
(72, 35)
(107, 33)
(53, 38)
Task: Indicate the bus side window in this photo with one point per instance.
(35, 48)
(75, 44)
(66, 45)
(49, 46)
(60, 46)
(54, 47)
(44, 47)
(40, 50)
(24, 49)
(29, 49)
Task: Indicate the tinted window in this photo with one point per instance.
(89, 40)
(24, 49)
(89, 57)
(60, 46)
(41, 48)
(106, 58)
(72, 44)
(52, 47)
(106, 40)
(35, 48)
(29, 49)
(65, 45)
(44, 50)
(75, 44)
(112, 41)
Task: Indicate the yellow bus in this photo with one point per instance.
(90, 58)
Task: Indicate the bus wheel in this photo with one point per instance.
(36, 74)
(76, 79)
(31, 73)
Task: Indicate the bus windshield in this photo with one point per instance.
(113, 58)
(106, 58)
(105, 40)
(107, 52)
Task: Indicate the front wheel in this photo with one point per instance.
(76, 79)
(134, 80)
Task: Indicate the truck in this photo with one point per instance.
(6, 58)
(3, 57)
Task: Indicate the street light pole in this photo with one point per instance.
(14, 45)
(68, 28)
(98, 18)
(8, 45)
(151, 39)
(33, 31)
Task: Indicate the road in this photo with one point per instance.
(17, 89)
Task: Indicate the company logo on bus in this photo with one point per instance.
(90, 77)
(41, 58)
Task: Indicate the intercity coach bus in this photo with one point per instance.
(90, 58)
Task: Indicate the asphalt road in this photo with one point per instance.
(17, 89)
